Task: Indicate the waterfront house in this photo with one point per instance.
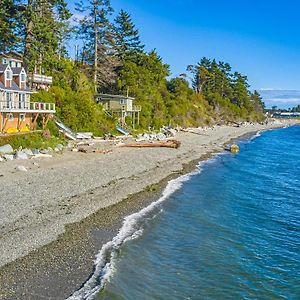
(120, 106)
(17, 112)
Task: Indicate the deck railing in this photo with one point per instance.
(27, 107)
(137, 108)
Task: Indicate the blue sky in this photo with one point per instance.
(260, 39)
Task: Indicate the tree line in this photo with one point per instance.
(111, 58)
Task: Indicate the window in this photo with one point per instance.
(122, 101)
(22, 117)
(22, 100)
(8, 100)
(4, 61)
(8, 75)
(23, 77)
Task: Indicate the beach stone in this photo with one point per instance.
(28, 152)
(21, 168)
(44, 151)
(60, 147)
(8, 157)
(21, 155)
(1, 159)
(160, 136)
(35, 151)
(6, 149)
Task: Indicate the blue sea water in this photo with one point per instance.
(228, 231)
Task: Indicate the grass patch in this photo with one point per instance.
(35, 140)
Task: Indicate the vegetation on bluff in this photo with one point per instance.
(110, 58)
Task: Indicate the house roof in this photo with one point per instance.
(17, 71)
(3, 67)
(14, 87)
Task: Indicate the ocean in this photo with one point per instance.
(228, 230)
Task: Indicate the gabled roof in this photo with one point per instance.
(17, 71)
(14, 87)
(3, 67)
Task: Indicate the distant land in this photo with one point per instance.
(280, 98)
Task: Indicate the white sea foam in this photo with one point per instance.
(132, 228)
(256, 135)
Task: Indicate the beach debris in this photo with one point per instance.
(175, 144)
(1, 159)
(232, 148)
(104, 151)
(6, 149)
(41, 155)
(83, 150)
(21, 168)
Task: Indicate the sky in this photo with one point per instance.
(260, 39)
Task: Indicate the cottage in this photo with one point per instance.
(17, 113)
(121, 106)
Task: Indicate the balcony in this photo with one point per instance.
(41, 79)
(30, 107)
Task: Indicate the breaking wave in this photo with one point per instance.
(132, 228)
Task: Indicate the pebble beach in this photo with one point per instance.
(60, 201)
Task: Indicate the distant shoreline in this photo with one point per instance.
(61, 260)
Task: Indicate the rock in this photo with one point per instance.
(21, 155)
(44, 151)
(28, 152)
(6, 149)
(74, 150)
(146, 137)
(1, 159)
(21, 168)
(8, 157)
(35, 151)
(172, 132)
(60, 147)
(160, 136)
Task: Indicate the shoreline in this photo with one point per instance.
(58, 268)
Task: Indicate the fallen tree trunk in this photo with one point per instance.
(168, 144)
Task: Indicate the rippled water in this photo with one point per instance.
(230, 232)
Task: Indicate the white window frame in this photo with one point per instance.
(8, 74)
(21, 117)
(22, 74)
(8, 99)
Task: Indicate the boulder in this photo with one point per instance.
(35, 151)
(6, 149)
(44, 151)
(21, 155)
(160, 136)
(28, 152)
(8, 157)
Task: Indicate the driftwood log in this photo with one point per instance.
(169, 144)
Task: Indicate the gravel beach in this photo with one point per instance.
(82, 189)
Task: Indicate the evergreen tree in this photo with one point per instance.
(9, 25)
(98, 51)
(46, 24)
(127, 36)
